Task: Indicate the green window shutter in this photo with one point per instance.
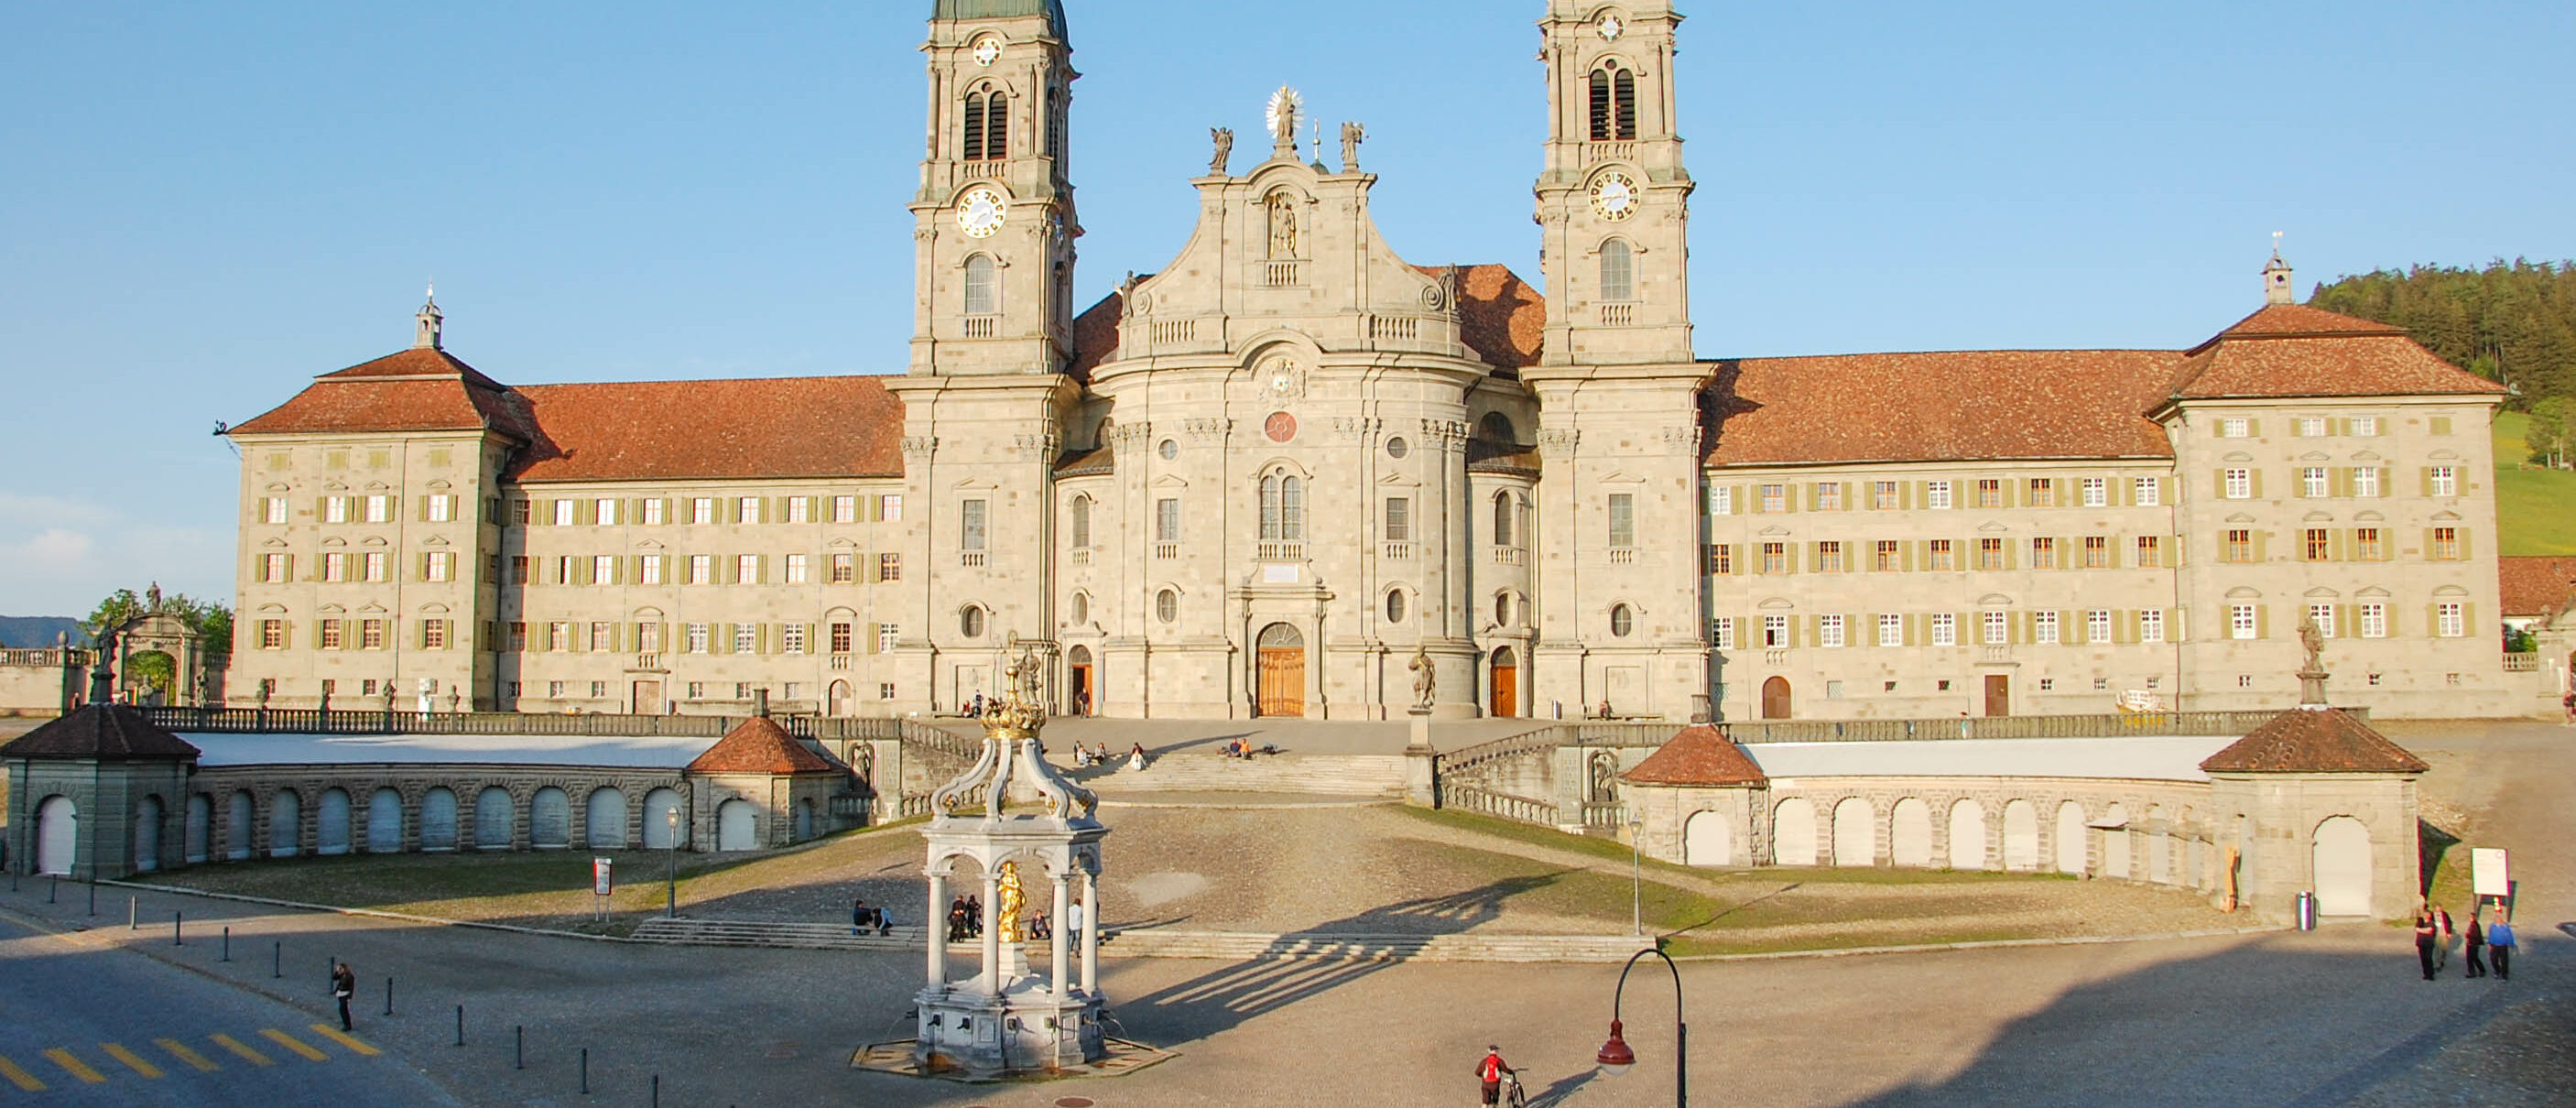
(2387, 480)
(2469, 619)
(2338, 482)
(2425, 474)
(2344, 626)
(2124, 626)
(2432, 622)
(2258, 483)
(2262, 546)
(2262, 621)
(2465, 552)
(2011, 556)
(2427, 541)
(2218, 484)
(1905, 554)
(873, 630)
(2254, 428)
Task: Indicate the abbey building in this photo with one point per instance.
(1266, 478)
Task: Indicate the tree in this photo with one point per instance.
(2553, 424)
(210, 619)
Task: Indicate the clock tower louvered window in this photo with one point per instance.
(1614, 104)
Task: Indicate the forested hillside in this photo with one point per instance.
(2511, 322)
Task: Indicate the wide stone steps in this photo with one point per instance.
(1315, 774)
(1225, 945)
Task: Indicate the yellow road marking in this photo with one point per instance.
(138, 1065)
(178, 1050)
(20, 1077)
(72, 1065)
(290, 1042)
(232, 1044)
(344, 1039)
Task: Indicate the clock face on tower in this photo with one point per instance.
(1614, 196)
(987, 50)
(981, 212)
(1611, 27)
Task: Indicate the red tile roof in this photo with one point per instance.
(2536, 586)
(1500, 317)
(1967, 405)
(2294, 350)
(1095, 335)
(678, 430)
(760, 745)
(2311, 740)
(107, 732)
(420, 389)
(1697, 756)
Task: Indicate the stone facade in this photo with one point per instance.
(1262, 479)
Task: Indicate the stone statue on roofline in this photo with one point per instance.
(1224, 138)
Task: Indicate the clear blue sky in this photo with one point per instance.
(204, 205)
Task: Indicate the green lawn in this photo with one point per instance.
(2536, 508)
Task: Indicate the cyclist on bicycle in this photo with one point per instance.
(1490, 1071)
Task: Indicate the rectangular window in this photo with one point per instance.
(433, 634)
(1990, 553)
(371, 634)
(2043, 492)
(2151, 626)
(845, 569)
(273, 510)
(1998, 628)
(2445, 481)
(604, 512)
(888, 636)
(438, 566)
(1890, 557)
(1623, 519)
(2366, 426)
(2043, 553)
(1829, 496)
(2240, 546)
(2446, 544)
(1829, 630)
(2312, 483)
(603, 569)
(2452, 620)
(2367, 547)
(328, 637)
(695, 636)
(335, 567)
(1775, 498)
(603, 638)
(1829, 557)
(1775, 632)
(439, 509)
(1721, 632)
(1721, 558)
(2043, 628)
(522, 513)
(2243, 622)
(1942, 558)
(889, 567)
(970, 525)
(648, 638)
(841, 638)
(845, 509)
(791, 639)
(2233, 428)
(1891, 630)
(2365, 482)
(380, 509)
(800, 509)
(657, 512)
(276, 568)
(2239, 484)
(2374, 621)
(1937, 495)
(702, 510)
(558, 637)
(555, 689)
(2149, 491)
(702, 569)
(1990, 493)
(1882, 495)
(2316, 544)
(2097, 552)
(2097, 626)
(747, 509)
(564, 512)
(518, 636)
(566, 572)
(2097, 492)
(1721, 500)
(890, 507)
(1775, 557)
(335, 509)
(649, 569)
(2312, 428)
(2322, 617)
(746, 569)
(796, 564)
(746, 638)
(375, 565)
(1167, 520)
(1945, 629)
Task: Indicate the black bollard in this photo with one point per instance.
(52, 885)
(177, 918)
(585, 1071)
(93, 898)
(657, 1091)
(519, 1053)
(133, 912)
(460, 1025)
(389, 996)
(277, 960)
(228, 946)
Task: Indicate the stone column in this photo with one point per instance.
(1056, 939)
(937, 937)
(1090, 934)
(991, 975)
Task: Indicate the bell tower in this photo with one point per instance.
(1614, 200)
(994, 219)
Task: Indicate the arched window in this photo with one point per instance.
(1622, 620)
(1502, 609)
(1081, 608)
(1283, 508)
(970, 622)
(988, 125)
(983, 291)
(1503, 513)
(1395, 605)
(1055, 123)
(974, 151)
(1081, 522)
(1167, 605)
(1614, 103)
(1496, 427)
(1618, 271)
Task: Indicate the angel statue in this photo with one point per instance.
(1426, 678)
(1224, 137)
(1352, 136)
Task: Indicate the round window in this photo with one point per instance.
(1397, 447)
(1395, 606)
(1169, 450)
(970, 622)
(1167, 605)
(1622, 620)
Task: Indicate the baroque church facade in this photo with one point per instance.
(1267, 479)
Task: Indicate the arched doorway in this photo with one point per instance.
(838, 699)
(737, 825)
(2021, 836)
(1967, 835)
(1793, 833)
(1909, 834)
(331, 823)
(1506, 686)
(1078, 687)
(1707, 841)
(1281, 658)
(2074, 853)
(550, 819)
(57, 833)
(662, 819)
(147, 835)
(1855, 833)
(1775, 698)
(2343, 867)
(384, 822)
(604, 820)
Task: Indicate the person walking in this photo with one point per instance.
(2475, 965)
(2443, 916)
(344, 984)
(1490, 1073)
(2500, 946)
(2428, 935)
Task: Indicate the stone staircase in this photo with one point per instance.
(1312, 774)
(1222, 945)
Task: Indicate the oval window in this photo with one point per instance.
(1395, 606)
(970, 622)
(1622, 621)
(1167, 605)
(1397, 447)
(1169, 450)
(1081, 608)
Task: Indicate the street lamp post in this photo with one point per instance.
(1615, 1057)
(1637, 877)
(672, 817)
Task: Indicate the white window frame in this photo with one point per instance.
(796, 571)
(649, 569)
(746, 638)
(800, 509)
(564, 512)
(1775, 632)
(702, 510)
(1829, 630)
(2322, 617)
(335, 509)
(2365, 426)
(1891, 629)
(2244, 622)
(2043, 628)
(2235, 428)
(2314, 484)
(1936, 496)
(604, 512)
(380, 509)
(440, 509)
(2097, 625)
(2097, 492)
(440, 568)
(2374, 620)
(2239, 484)
(1721, 632)
(1721, 500)
(2451, 619)
(2151, 626)
(374, 561)
(746, 569)
(1997, 628)
(748, 510)
(2365, 481)
(1945, 629)
(702, 569)
(273, 510)
(2311, 427)
(845, 509)
(891, 508)
(696, 640)
(889, 635)
(791, 640)
(603, 569)
(656, 512)
(2149, 492)
(2446, 481)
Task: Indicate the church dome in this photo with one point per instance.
(1053, 10)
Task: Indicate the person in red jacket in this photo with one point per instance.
(1491, 1071)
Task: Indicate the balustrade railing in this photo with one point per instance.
(1282, 550)
(2522, 663)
